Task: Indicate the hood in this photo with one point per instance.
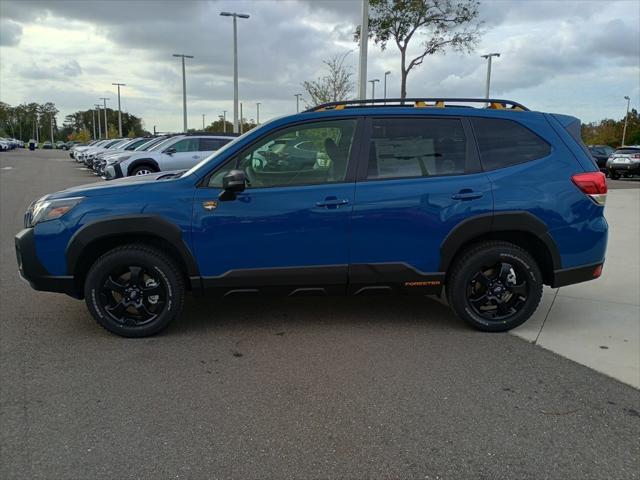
(120, 186)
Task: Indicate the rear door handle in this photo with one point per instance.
(467, 195)
(332, 202)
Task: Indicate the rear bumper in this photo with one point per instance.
(583, 273)
(629, 168)
(34, 273)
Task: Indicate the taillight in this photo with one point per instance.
(593, 184)
(635, 155)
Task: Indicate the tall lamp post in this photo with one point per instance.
(297, 95)
(362, 63)
(258, 113)
(93, 122)
(224, 121)
(119, 111)
(373, 87)
(241, 120)
(184, 91)
(388, 72)
(203, 121)
(235, 64)
(626, 119)
(97, 105)
(106, 131)
(488, 56)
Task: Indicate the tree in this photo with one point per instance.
(609, 132)
(442, 25)
(335, 86)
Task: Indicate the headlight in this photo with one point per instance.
(113, 161)
(44, 210)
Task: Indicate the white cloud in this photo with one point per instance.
(576, 57)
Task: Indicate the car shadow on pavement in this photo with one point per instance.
(279, 313)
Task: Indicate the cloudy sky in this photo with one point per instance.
(575, 57)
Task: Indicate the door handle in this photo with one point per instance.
(467, 194)
(331, 203)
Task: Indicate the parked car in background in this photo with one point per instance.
(68, 145)
(180, 152)
(624, 162)
(47, 145)
(407, 197)
(88, 155)
(121, 156)
(4, 145)
(60, 144)
(129, 146)
(601, 154)
(78, 150)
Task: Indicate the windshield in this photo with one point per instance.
(162, 144)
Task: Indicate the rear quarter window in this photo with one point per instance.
(504, 142)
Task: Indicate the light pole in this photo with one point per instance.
(373, 87)
(224, 121)
(488, 56)
(235, 63)
(51, 126)
(258, 113)
(119, 112)
(297, 95)
(203, 121)
(362, 64)
(106, 131)
(626, 118)
(93, 122)
(240, 117)
(388, 72)
(184, 91)
(97, 105)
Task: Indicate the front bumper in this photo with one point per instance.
(112, 172)
(34, 273)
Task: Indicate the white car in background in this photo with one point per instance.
(179, 152)
(76, 150)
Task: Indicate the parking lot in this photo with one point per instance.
(287, 388)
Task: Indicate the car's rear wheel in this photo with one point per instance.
(143, 170)
(614, 175)
(495, 286)
(134, 291)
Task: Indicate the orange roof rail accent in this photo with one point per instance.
(517, 108)
(496, 106)
(420, 104)
(340, 107)
(439, 104)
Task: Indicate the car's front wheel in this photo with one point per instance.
(134, 290)
(495, 286)
(142, 170)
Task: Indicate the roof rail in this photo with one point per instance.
(490, 103)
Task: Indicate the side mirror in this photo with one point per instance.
(232, 183)
(170, 151)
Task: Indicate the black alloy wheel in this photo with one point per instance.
(134, 290)
(494, 286)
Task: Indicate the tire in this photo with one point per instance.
(134, 291)
(143, 170)
(495, 286)
(614, 175)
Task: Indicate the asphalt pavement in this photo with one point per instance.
(286, 388)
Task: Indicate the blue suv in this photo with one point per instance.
(360, 197)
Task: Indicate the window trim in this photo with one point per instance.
(352, 161)
(472, 160)
(475, 136)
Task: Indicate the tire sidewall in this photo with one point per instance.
(152, 263)
(460, 301)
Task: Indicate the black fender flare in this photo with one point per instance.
(129, 225)
(519, 221)
(142, 161)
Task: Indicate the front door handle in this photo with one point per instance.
(467, 194)
(332, 202)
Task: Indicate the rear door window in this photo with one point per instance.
(212, 144)
(416, 147)
(503, 143)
